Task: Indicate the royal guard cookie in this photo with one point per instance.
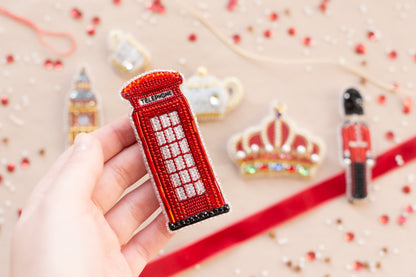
(83, 109)
(274, 148)
(356, 147)
(211, 98)
(128, 56)
(174, 153)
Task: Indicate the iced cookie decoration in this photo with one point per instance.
(83, 110)
(275, 147)
(128, 56)
(211, 98)
(356, 147)
(175, 155)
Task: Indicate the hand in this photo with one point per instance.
(72, 224)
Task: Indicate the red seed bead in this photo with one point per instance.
(236, 38)
(95, 20)
(384, 219)
(407, 105)
(357, 266)
(9, 59)
(5, 100)
(11, 167)
(292, 31)
(381, 99)
(307, 41)
(390, 136)
(401, 220)
(406, 189)
(273, 16)
(25, 163)
(192, 37)
(268, 33)
(360, 49)
(76, 13)
(310, 256)
(392, 55)
(371, 36)
(48, 64)
(58, 65)
(116, 2)
(90, 30)
(349, 236)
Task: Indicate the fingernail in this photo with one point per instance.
(82, 142)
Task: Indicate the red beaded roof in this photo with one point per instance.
(152, 81)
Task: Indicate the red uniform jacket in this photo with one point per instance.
(356, 143)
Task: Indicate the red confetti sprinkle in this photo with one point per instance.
(292, 31)
(156, 6)
(407, 105)
(401, 220)
(349, 236)
(357, 266)
(414, 58)
(116, 2)
(90, 30)
(4, 100)
(95, 20)
(121, 246)
(273, 16)
(48, 64)
(192, 37)
(9, 59)
(307, 41)
(11, 167)
(236, 38)
(58, 65)
(381, 99)
(409, 209)
(392, 55)
(360, 49)
(406, 189)
(310, 256)
(384, 219)
(389, 136)
(371, 36)
(268, 33)
(396, 85)
(1, 179)
(323, 7)
(19, 212)
(76, 13)
(232, 4)
(25, 163)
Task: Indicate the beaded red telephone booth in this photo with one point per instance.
(175, 155)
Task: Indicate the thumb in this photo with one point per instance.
(82, 170)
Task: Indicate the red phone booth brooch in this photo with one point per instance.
(356, 147)
(173, 150)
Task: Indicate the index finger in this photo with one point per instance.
(116, 136)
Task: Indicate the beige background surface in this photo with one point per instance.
(311, 92)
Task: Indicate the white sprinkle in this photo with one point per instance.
(237, 271)
(264, 273)
(16, 120)
(282, 241)
(411, 178)
(182, 61)
(395, 251)
(285, 259)
(7, 203)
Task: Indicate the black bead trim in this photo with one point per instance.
(199, 217)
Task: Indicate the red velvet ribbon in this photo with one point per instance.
(261, 221)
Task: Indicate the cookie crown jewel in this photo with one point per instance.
(276, 147)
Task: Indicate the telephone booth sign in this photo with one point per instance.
(174, 152)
